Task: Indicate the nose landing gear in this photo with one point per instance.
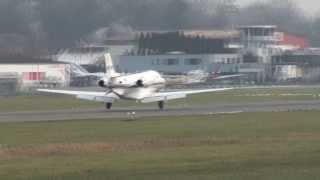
(108, 106)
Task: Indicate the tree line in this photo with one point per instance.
(61, 23)
(160, 43)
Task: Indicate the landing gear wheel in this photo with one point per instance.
(161, 105)
(108, 106)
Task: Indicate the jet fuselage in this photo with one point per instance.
(134, 86)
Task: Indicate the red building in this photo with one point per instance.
(293, 40)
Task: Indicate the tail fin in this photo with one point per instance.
(110, 71)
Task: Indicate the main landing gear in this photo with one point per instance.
(108, 106)
(161, 105)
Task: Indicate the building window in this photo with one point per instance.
(156, 62)
(193, 61)
(171, 62)
(238, 60)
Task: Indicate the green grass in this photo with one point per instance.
(239, 146)
(43, 102)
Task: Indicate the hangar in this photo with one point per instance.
(34, 73)
(179, 63)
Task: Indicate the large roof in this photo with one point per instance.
(28, 61)
(259, 27)
(214, 34)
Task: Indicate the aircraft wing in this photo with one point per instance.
(166, 96)
(85, 95)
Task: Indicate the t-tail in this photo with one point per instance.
(110, 71)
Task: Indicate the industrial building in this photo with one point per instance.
(180, 63)
(35, 73)
(298, 65)
(182, 52)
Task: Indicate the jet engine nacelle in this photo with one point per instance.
(145, 82)
(140, 83)
(103, 83)
(133, 82)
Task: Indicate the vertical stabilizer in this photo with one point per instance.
(110, 71)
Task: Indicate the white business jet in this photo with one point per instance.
(144, 87)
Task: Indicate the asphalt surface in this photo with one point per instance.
(133, 113)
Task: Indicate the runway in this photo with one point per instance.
(123, 113)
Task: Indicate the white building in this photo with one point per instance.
(259, 41)
(32, 73)
(287, 72)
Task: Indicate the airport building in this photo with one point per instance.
(181, 52)
(297, 66)
(253, 51)
(261, 53)
(249, 50)
(35, 73)
(176, 63)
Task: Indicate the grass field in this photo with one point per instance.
(50, 102)
(246, 146)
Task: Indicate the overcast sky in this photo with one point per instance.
(309, 6)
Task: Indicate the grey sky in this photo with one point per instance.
(309, 6)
